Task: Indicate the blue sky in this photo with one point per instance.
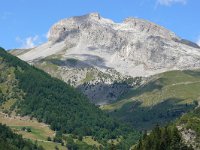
(25, 23)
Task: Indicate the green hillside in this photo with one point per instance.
(182, 134)
(12, 141)
(26, 90)
(166, 138)
(163, 98)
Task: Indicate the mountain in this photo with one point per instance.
(102, 58)
(12, 141)
(182, 134)
(164, 98)
(28, 91)
(139, 72)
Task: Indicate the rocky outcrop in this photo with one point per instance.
(133, 48)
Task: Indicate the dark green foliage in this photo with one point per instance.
(166, 138)
(54, 102)
(78, 145)
(58, 137)
(27, 129)
(12, 141)
(147, 117)
(71, 145)
(23, 129)
(48, 138)
(80, 138)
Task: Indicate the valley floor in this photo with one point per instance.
(39, 131)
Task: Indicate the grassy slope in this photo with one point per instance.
(164, 98)
(41, 96)
(39, 131)
(13, 141)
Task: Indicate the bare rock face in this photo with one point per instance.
(132, 48)
(135, 47)
(189, 136)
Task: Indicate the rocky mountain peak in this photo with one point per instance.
(148, 27)
(93, 53)
(93, 22)
(94, 15)
(72, 25)
(135, 47)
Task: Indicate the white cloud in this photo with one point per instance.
(198, 41)
(170, 2)
(47, 35)
(28, 42)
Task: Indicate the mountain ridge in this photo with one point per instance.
(91, 52)
(94, 33)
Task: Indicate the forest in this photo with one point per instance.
(162, 138)
(62, 107)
